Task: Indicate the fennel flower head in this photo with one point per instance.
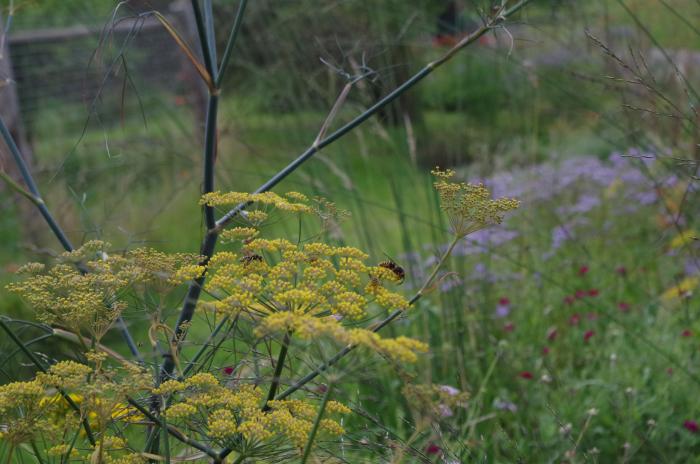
(469, 207)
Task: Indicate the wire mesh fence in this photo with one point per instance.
(101, 69)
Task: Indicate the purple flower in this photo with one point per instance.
(480, 268)
(691, 426)
(585, 203)
(505, 405)
(483, 241)
(691, 267)
(444, 410)
(560, 234)
(647, 197)
(452, 391)
(502, 310)
(449, 282)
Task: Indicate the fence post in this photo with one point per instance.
(10, 114)
(9, 101)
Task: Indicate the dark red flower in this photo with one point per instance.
(587, 336)
(545, 351)
(691, 426)
(503, 301)
(526, 375)
(622, 270)
(322, 388)
(593, 292)
(569, 299)
(669, 370)
(432, 448)
(686, 333)
(228, 370)
(509, 327)
(624, 307)
(575, 319)
(583, 270)
(552, 334)
(580, 294)
(445, 40)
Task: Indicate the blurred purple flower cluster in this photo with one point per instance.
(570, 190)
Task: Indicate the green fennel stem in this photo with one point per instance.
(439, 265)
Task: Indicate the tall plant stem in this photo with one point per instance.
(203, 40)
(40, 365)
(278, 370)
(38, 201)
(210, 147)
(206, 34)
(209, 243)
(317, 422)
(192, 362)
(230, 43)
(210, 36)
(174, 432)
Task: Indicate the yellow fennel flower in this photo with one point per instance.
(684, 289)
(469, 207)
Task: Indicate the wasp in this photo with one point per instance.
(398, 271)
(246, 260)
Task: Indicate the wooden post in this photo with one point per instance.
(9, 104)
(10, 114)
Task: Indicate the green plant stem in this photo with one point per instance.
(174, 432)
(479, 394)
(210, 147)
(165, 439)
(278, 370)
(18, 188)
(317, 422)
(207, 249)
(211, 36)
(37, 455)
(10, 453)
(40, 365)
(203, 40)
(205, 345)
(28, 343)
(445, 255)
(190, 365)
(230, 43)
